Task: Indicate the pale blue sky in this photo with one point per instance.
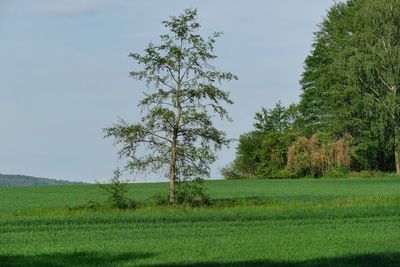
(64, 73)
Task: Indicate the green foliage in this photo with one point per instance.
(328, 103)
(188, 193)
(277, 119)
(351, 78)
(246, 160)
(263, 151)
(177, 131)
(93, 205)
(230, 171)
(116, 191)
(273, 154)
(350, 87)
(159, 199)
(192, 193)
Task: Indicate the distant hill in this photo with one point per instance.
(23, 180)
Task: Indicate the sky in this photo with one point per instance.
(64, 73)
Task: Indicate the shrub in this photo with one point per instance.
(160, 199)
(192, 193)
(272, 153)
(285, 173)
(230, 172)
(116, 191)
(188, 193)
(247, 158)
(299, 157)
(318, 156)
(338, 171)
(93, 205)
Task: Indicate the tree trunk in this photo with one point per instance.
(172, 171)
(396, 148)
(396, 156)
(172, 165)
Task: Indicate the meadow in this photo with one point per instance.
(304, 222)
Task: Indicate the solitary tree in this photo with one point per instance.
(176, 135)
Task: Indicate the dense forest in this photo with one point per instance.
(347, 118)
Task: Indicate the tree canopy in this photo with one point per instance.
(350, 91)
(176, 134)
(351, 78)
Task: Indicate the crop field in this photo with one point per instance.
(304, 222)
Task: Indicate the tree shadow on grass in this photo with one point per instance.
(362, 260)
(81, 259)
(72, 259)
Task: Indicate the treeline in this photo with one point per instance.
(23, 180)
(348, 115)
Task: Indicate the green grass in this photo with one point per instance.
(327, 222)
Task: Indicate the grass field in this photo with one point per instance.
(307, 222)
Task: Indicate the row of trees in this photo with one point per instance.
(350, 96)
(278, 148)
